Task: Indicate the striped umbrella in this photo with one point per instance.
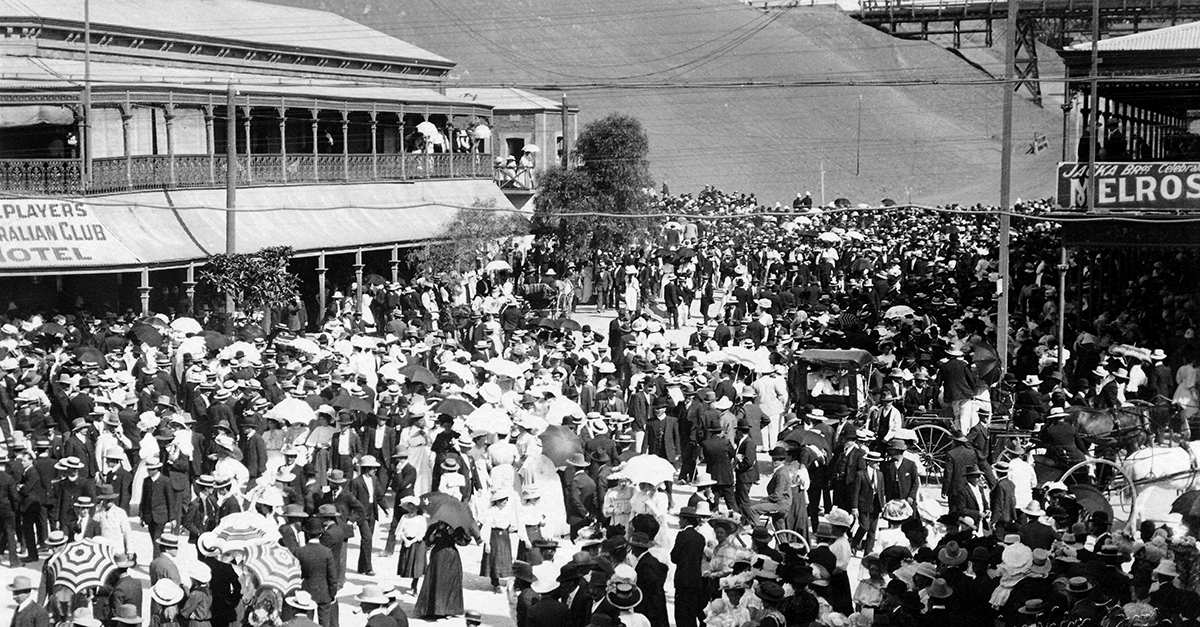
(82, 565)
(246, 529)
(274, 566)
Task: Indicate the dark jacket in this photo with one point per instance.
(581, 498)
(318, 572)
(718, 456)
(652, 581)
(157, 501)
(32, 615)
(688, 555)
(900, 481)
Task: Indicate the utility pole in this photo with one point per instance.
(230, 188)
(1010, 53)
(858, 140)
(566, 148)
(85, 140)
(1094, 113)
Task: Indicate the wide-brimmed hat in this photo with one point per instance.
(577, 460)
(839, 517)
(925, 569)
(20, 583)
(624, 596)
(523, 571)
(973, 471)
(128, 613)
(1166, 568)
(940, 589)
(1158, 355)
(302, 600)
(338, 476)
(1034, 508)
(1081, 585)
(82, 617)
(952, 554)
(641, 539)
(1033, 607)
(372, 593)
(169, 540)
(450, 464)
(770, 592)
(166, 592)
(703, 480)
(545, 578)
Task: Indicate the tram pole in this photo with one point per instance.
(1010, 64)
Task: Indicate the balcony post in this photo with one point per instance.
(358, 279)
(428, 150)
(126, 116)
(169, 120)
(321, 270)
(144, 291)
(403, 149)
(246, 132)
(210, 143)
(283, 143)
(345, 144)
(316, 167)
(450, 140)
(395, 263)
(374, 144)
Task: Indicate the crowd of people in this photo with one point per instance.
(607, 470)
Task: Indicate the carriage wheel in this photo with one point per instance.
(1111, 482)
(787, 535)
(933, 445)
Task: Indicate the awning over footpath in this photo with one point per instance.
(160, 229)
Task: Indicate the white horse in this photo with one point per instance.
(1159, 473)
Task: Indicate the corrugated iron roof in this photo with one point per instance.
(148, 228)
(1178, 37)
(241, 20)
(21, 72)
(503, 98)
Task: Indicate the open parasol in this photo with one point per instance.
(1185, 503)
(490, 419)
(505, 368)
(442, 507)
(242, 530)
(497, 265)
(899, 311)
(455, 407)
(419, 374)
(986, 362)
(648, 468)
(52, 328)
(427, 129)
(531, 148)
(559, 443)
(562, 407)
(145, 334)
(832, 238)
(352, 403)
(90, 355)
(215, 340)
(274, 566)
(292, 411)
(82, 565)
(186, 325)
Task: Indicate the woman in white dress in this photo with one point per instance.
(419, 455)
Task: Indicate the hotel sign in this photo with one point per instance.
(51, 233)
(1131, 186)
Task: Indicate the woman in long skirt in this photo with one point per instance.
(442, 592)
(498, 526)
(412, 530)
(530, 520)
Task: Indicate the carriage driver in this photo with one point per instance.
(1063, 443)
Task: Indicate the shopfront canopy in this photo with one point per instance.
(160, 229)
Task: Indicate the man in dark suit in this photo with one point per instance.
(975, 497)
(291, 532)
(651, 580)
(869, 503)
(980, 440)
(745, 465)
(1003, 496)
(79, 444)
(9, 506)
(67, 488)
(31, 498)
(582, 507)
(848, 463)
(688, 556)
(319, 574)
(900, 478)
(548, 610)
(254, 448)
(1034, 533)
(115, 475)
(403, 482)
(28, 613)
(367, 490)
(718, 455)
(348, 509)
(961, 457)
(157, 496)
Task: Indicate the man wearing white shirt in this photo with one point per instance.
(1021, 473)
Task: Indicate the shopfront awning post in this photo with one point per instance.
(144, 292)
(395, 263)
(358, 280)
(189, 285)
(321, 270)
